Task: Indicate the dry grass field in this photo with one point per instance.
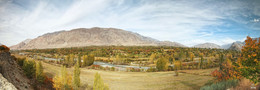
(137, 80)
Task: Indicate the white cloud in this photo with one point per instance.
(179, 21)
(256, 20)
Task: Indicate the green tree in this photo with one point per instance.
(99, 84)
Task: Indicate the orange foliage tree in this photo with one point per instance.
(4, 48)
(248, 64)
(228, 72)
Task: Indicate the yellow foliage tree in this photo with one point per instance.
(63, 81)
(99, 84)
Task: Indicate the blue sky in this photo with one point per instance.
(189, 22)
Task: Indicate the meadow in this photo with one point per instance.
(138, 80)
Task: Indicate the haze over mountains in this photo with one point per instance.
(207, 45)
(93, 36)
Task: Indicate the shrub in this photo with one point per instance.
(112, 69)
(20, 61)
(151, 69)
(223, 85)
(4, 48)
(29, 68)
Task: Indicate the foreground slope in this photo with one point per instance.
(13, 73)
(5, 85)
(92, 36)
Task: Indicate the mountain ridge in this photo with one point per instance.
(207, 45)
(91, 37)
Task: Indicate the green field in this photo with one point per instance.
(137, 80)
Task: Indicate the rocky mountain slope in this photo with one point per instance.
(207, 45)
(21, 44)
(5, 85)
(13, 73)
(92, 36)
(236, 46)
(226, 46)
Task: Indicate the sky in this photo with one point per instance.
(188, 22)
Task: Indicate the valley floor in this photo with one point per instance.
(137, 80)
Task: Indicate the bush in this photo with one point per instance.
(4, 48)
(151, 69)
(223, 85)
(29, 68)
(112, 68)
(20, 61)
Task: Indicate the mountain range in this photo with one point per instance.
(91, 37)
(207, 45)
(96, 36)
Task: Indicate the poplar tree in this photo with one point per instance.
(39, 72)
(76, 76)
(99, 84)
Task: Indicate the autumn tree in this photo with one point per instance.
(63, 80)
(99, 84)
(76, 76)
(84, 63)
(209, 62)
(118, 59)
(67, 59)
(249, 64)
(228, 72)
(71, 60)
(152, 58)
(162, 64)
(29, 68)
(57, 58)
(221, 60)
(79, 60)
(201, 61)
(177, 66)
(4, 48)
(192, 58)
(90, 60)
(39, 72)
